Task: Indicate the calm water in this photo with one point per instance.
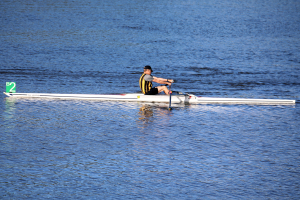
(117, 150)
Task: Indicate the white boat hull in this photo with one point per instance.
(136, 97)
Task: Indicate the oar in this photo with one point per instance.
(170, 92)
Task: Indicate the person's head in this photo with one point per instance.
(148, 69)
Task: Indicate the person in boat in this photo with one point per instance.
(146, 82)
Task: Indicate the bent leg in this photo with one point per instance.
(162, 88)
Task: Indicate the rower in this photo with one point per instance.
(146, 82)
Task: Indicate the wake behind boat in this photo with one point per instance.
(176, 97)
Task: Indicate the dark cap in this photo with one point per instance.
(148, 67)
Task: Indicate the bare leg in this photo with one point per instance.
(163, 88)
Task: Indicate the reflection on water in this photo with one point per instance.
(9, 111)
(10, 105)
(154, 114)
(146, 114)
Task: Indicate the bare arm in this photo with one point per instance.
(162, 80)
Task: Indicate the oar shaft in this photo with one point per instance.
(170, 93)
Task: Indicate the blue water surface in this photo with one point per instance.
(72, 149)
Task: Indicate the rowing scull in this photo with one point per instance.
(138, 97)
